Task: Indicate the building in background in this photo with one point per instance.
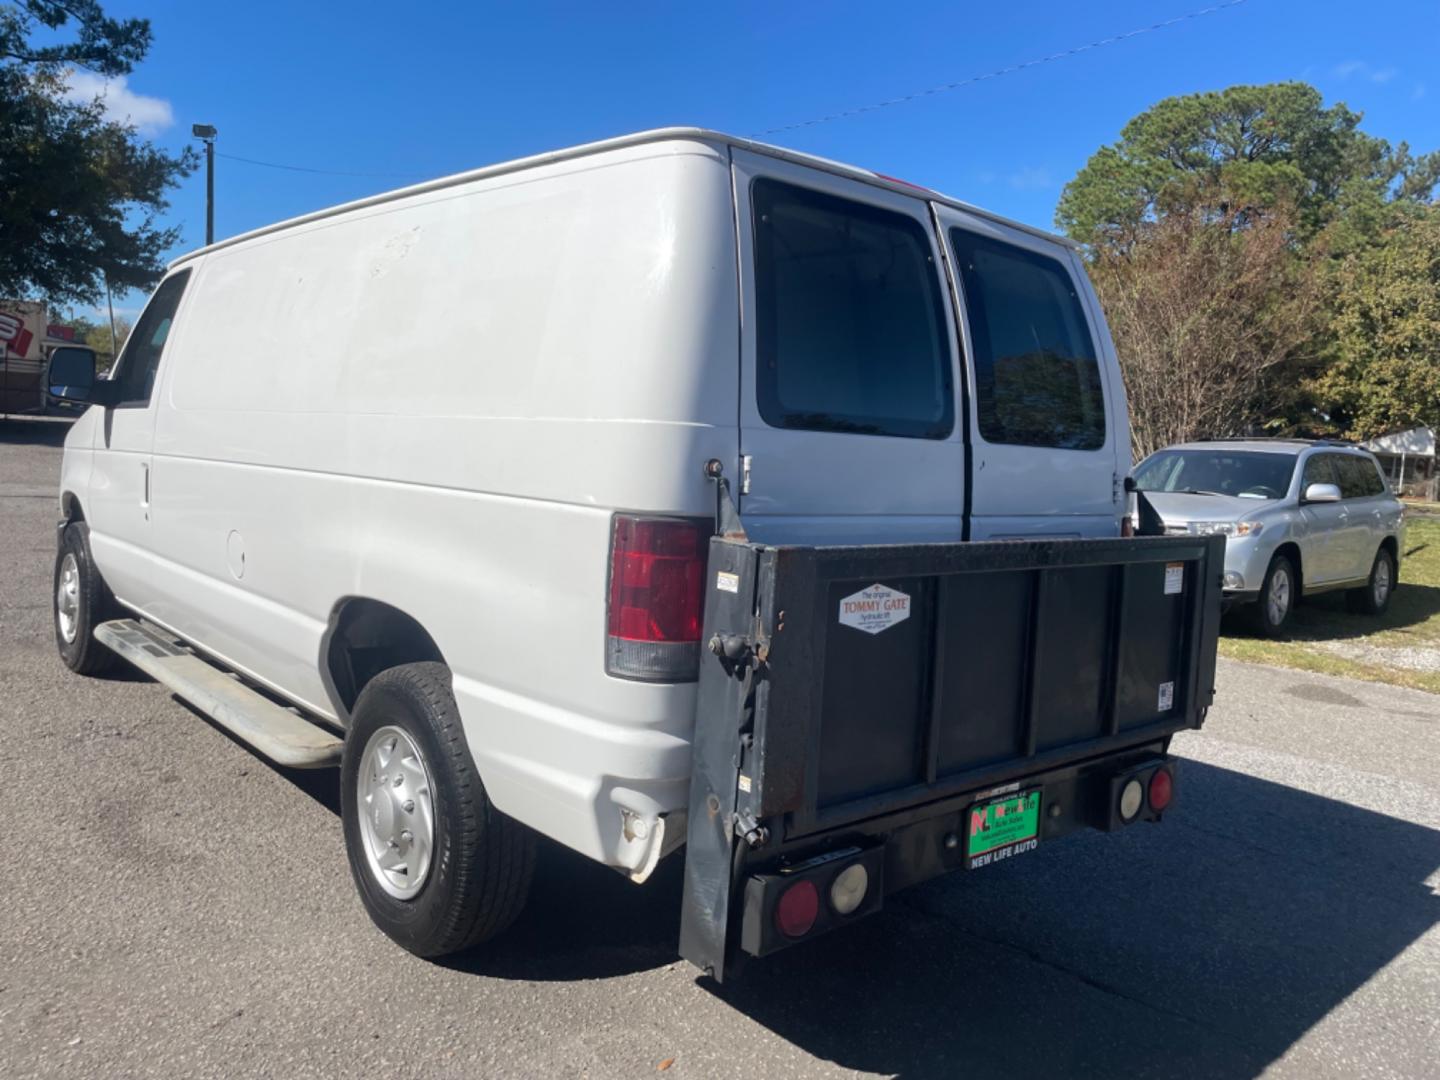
(1408, 458)
(27, 337)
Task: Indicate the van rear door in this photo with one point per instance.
(849, 409)
(1046, 408)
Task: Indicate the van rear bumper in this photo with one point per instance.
(907, 848)
(609, 790)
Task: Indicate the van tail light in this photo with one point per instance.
(1161, 789)
(1132, 800)
(797, 909)
(1141, 793)
(657, 573)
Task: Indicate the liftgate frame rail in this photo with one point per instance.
(847, 692)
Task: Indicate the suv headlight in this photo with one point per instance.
(1226, 528)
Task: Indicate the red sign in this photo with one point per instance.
(14, 334)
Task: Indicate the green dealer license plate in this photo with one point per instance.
(1000, 828)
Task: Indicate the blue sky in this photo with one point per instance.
(418, 90)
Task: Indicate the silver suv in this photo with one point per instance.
(1299, 518)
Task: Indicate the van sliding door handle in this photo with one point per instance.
(145, 483)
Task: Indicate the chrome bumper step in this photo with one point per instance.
(285, 737)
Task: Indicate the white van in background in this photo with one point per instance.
(428, 471)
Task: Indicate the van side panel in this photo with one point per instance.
(439, 402)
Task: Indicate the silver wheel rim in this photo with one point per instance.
(67, 599)
(1277, 600)
(396, 811)
(1380, 589)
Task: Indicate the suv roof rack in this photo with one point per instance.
(1297, 439)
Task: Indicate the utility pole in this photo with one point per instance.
(206, 133)
(109, 301)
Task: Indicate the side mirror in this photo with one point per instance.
(1321, 493)
(72, 377)
(72, 373)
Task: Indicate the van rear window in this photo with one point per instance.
(850, 324)
(1037, 381)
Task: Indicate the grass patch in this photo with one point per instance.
(1321, 628)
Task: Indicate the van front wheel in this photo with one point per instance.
(439, 869)
(82, 601)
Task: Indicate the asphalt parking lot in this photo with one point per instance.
(176, 906)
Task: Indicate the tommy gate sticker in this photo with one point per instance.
(875, 609)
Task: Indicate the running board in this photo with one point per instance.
(281, 735)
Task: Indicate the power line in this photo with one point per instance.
(843, 114)
(947, 87)
(323, 172)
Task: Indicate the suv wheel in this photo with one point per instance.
(438, 867)
(82, 601)
(1277, 597)
(1374, 596)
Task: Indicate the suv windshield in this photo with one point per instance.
(1247, 473)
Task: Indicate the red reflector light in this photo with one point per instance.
(657, 571)
(1161, 788)
(797, 909)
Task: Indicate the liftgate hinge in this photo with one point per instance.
(751, 831)
(727, 517)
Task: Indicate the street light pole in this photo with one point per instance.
(206, 133)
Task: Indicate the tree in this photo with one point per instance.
(1207, 310)
(1385, 374)
(98, 338)
(1260, 145)
(79, 194)
(1232, 212)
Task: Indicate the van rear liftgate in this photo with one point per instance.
(912, 710)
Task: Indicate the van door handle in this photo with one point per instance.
(145, 483)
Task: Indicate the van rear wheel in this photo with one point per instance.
(438, 868)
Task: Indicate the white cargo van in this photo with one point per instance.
(419, 481)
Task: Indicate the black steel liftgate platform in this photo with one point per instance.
(855, 702)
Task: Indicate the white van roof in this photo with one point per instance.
(638, 138)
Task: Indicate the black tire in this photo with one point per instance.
(1262, 618)
(1363, 600)
(482, 861)
(94, 604)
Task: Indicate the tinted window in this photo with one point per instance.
(1318, 470)
(1250, 474)
(1374, 481)
(1358, 477)
(140, 358)
(850, 327)
(1037, 380)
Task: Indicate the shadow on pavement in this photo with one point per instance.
(15, 431)
(586, 921)
(1208, 944)
(1326, 618)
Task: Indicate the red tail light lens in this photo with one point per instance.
(797, 909)
(1162, 787)
(657, 574)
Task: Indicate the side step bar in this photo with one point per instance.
(281, 735)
